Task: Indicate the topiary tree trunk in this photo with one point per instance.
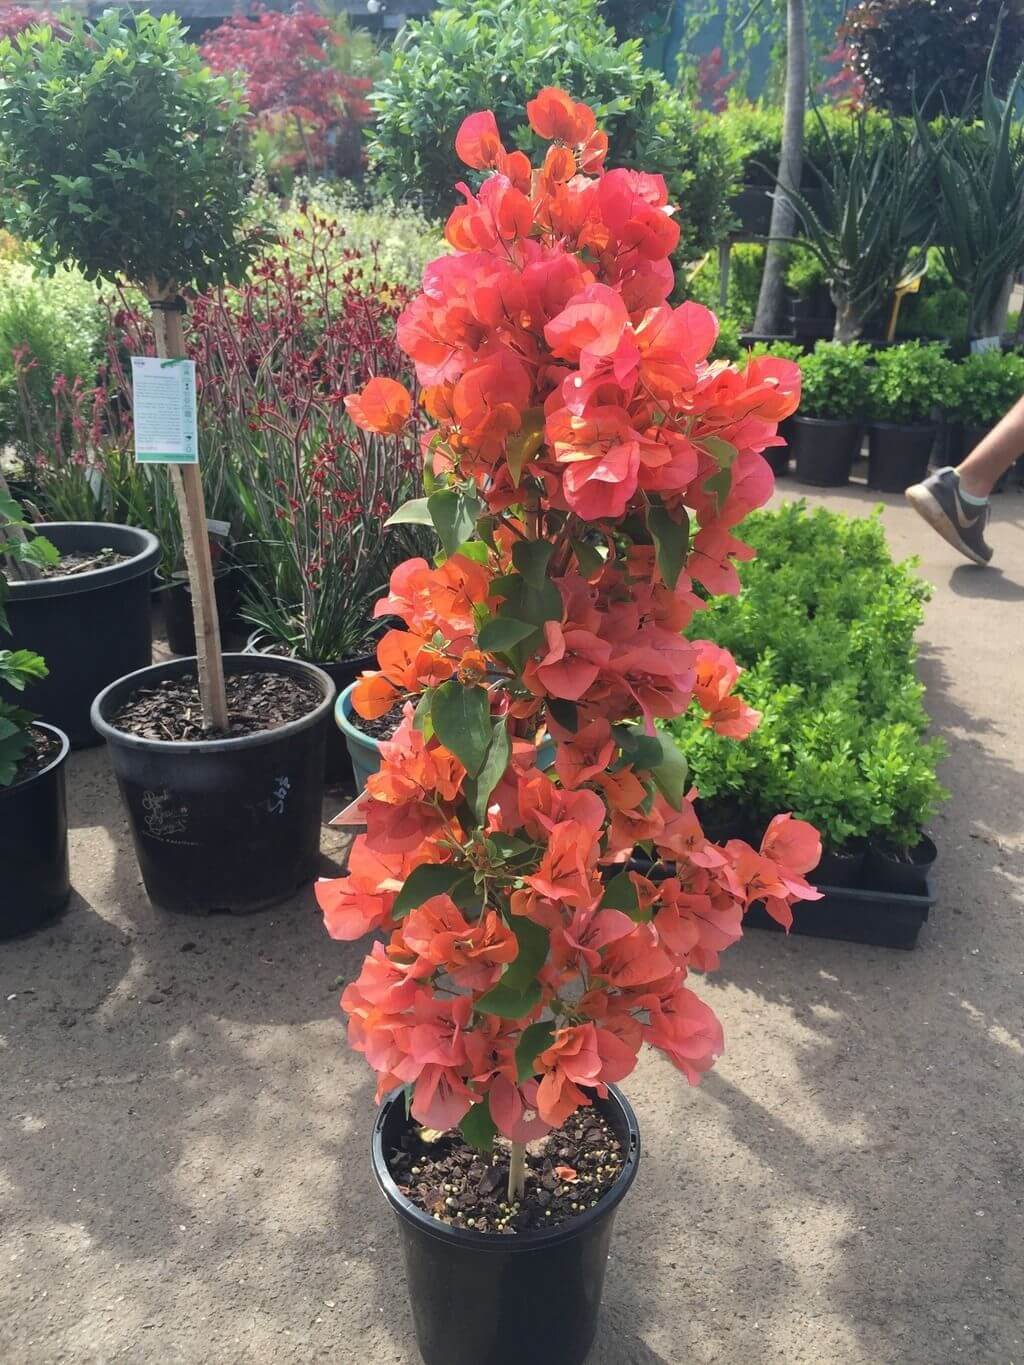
(783, 223)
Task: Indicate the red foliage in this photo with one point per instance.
(287, 64)
(16, 18)
(712, 87)
(588, 465)
(844, 87)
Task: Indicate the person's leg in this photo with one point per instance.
(993, 455)
(956, 501)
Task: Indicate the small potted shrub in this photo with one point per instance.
(585, 470)
(983, 388)
(905, 795)
(33, 816)
(826, 432)
(124, 151)
(908, 384)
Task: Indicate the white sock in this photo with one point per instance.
(969, 498)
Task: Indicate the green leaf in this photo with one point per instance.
(429, 879)
(588, 558)
(462, 722)
(671, 542)
(509, 1003)
(528, 603)
(524, 444)
(415, 512)
(421, 716)
(500, 633)
(566, 713)
(531, 558)
(20, 666)
(499, 751)
(454, 515)
(642, 751)
(620, 894)
(671, 772)
(535, 1039)
(39, 551)
(478, 1128)
(475, 550)
(534, 942)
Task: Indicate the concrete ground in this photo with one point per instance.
(183, 1161)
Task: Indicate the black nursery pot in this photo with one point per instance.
(34, 846)
(906, 876)
(489, 1299)
(179, 621)
(839, 867)
(824, 449)
(90, 627)
(222, 824)
(342, 672)
(898, 454)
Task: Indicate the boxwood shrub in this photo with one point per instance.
(824, 629)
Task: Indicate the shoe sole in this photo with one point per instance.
(928, 507)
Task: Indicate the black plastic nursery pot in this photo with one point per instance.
(342, 672)
(824, 449)
(90, 627)
(898, 454)
(491, 1299)
(840, 867)
(222, 824)
(179, 621)
(854, 915)
(34, 883)
(907, 875)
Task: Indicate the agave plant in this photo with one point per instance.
(978, 168)
(872, 231)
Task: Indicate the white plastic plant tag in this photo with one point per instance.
(164, 410)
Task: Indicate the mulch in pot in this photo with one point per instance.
(257, 701)
(567, 1172)
(82, 561)
(384, 726)
(45, 748)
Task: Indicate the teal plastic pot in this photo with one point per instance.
(364, 751)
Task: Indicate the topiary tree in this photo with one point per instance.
(936, 50)
(120, 153)
(465, 56)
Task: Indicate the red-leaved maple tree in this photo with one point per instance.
(544, 911)
(287, 63)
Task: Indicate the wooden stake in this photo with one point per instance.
(188, 491)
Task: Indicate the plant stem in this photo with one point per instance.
(517, 1172)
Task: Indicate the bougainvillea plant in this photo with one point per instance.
(586, 469)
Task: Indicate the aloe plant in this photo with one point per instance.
(979, 172)
(874, 226)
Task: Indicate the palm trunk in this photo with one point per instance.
(770, 299)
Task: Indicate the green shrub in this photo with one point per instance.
(823, 627)
(836, 380)
(58, 318)
(909, 382)
(753, 133)
(805, 273)
(746, 264)
(985, 386)
(465, 57)
(781, 350)
(938, 309)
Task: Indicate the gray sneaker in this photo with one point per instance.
(962, 523)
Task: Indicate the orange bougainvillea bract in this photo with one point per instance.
(532, 856)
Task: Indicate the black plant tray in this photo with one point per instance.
(882, 918)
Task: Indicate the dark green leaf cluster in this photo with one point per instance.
(835, 380)
(467, 57)
(120, 151)
(984, 387)
(908, 383)
(824, 628)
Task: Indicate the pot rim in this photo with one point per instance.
(521, 1243)
(827, 421)
(65, 748)
(233, 663)
(254, 644)
(916, 427)
(926, 844)
(342, 711)
(144, 560)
